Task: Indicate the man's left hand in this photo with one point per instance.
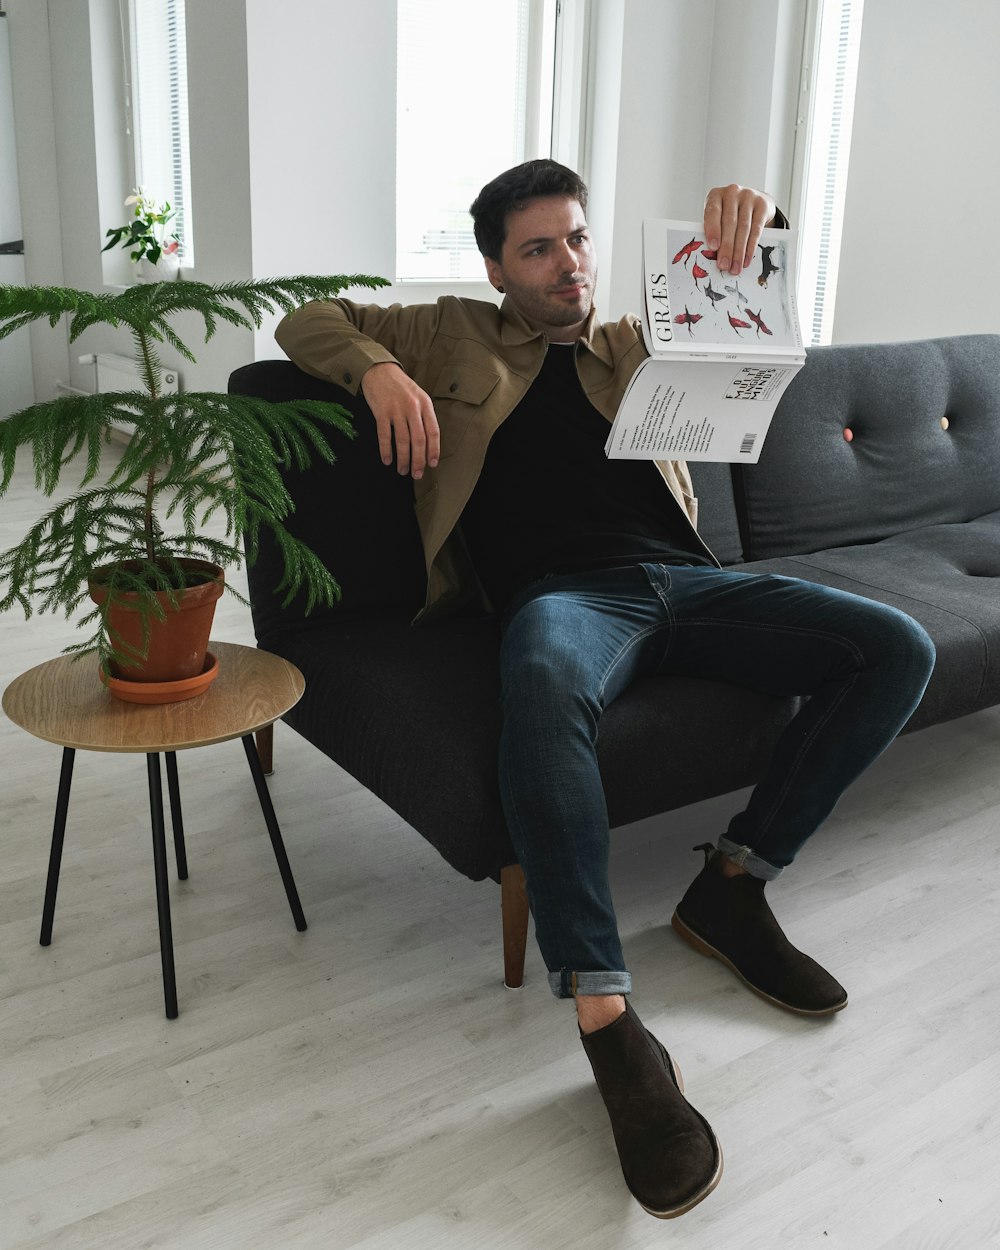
(734, 218)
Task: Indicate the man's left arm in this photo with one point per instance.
(734, 219)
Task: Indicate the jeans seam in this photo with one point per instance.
(647, 633)
(800, 755)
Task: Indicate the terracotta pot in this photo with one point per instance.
(178, 643)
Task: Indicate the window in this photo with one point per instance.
(474, 97)
(159, 109)
(829, 76)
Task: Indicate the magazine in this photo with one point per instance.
(722, 349)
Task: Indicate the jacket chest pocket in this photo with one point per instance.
(459, 394)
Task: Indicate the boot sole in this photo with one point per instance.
(703, 948)
(671, 1213)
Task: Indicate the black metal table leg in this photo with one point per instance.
(55, 854)
(272, 827)
(176, 819)
(162, 885)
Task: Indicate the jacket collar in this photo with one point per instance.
(515, 330)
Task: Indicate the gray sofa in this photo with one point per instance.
(907, 512)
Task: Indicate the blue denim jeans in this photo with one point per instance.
(572, 643)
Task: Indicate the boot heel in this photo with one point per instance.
(692, 939)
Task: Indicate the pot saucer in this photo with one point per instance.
(163, 691)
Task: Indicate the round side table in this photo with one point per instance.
(63, 701)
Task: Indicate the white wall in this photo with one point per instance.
(322, 125)
(657, 158)
(689, 96)
(919, 254)
(755, 64)
(38, 179)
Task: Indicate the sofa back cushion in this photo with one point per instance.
(356, 514)
(924, 418)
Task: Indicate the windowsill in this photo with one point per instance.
(441, 282)
(185, 275)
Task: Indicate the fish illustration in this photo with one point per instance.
(756, 319)
(738, 324)
(689, 319)
(687, 250)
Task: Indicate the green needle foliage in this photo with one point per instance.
(191, 456)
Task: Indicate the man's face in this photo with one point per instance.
(548, 266)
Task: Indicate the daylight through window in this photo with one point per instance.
(474, 96)
(830, 72)
(159, 110)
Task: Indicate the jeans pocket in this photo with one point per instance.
(658, 576)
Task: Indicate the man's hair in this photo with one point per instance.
(513, 190)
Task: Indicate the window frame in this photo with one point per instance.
(817, 305)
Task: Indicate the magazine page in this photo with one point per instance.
(681, 409)
(691, 306)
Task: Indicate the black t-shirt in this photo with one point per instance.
(549, 501)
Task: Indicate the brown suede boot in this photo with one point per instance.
(728, 918)
(669, 1155)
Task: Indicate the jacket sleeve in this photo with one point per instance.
(339, 340)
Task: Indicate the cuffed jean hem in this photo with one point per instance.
(567, 984)
(746, 858)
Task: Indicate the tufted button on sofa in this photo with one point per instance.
(907, 512)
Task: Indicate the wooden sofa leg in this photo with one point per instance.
(514, 911)
(265, 749)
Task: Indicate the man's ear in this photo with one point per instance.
(493, 273)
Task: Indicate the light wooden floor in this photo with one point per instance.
(369, 1083)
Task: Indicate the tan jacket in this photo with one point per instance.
(476, 361)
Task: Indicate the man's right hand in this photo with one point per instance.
(404, 417)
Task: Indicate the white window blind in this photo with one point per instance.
(159, 110)
(829, 79)
(474, 97)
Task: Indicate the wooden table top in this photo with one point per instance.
(63, 701)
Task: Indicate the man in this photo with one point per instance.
(501, 416)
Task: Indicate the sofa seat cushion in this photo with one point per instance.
(947, 577)
(412, 713)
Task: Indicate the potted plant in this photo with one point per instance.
(156, 254)
(134, 542)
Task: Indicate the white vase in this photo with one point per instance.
(166, 268)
